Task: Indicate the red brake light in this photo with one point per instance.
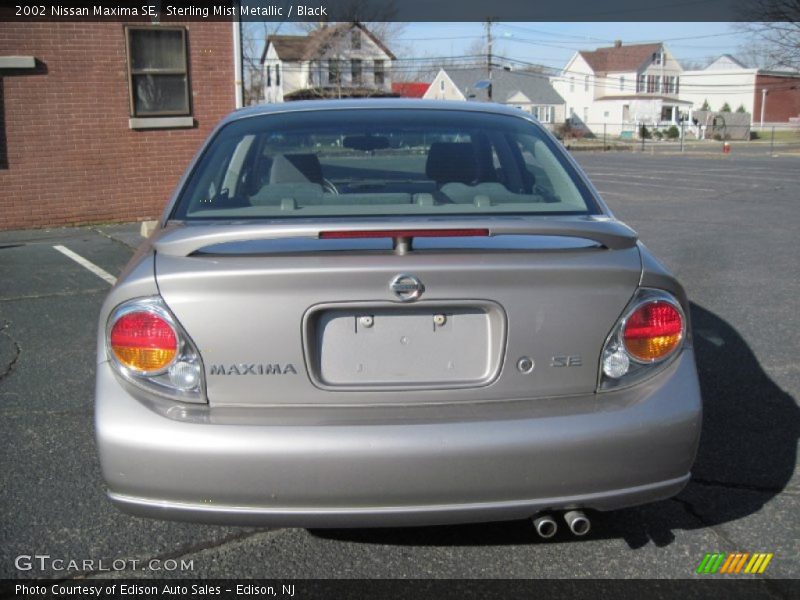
(653, 331)
(143, 341)
(402, 233)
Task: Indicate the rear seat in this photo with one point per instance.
(299, 195)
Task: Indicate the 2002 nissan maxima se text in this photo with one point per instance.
(363, 313)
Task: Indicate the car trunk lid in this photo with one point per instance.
(285, 315)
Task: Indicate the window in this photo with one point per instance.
(277, 75)
(356, 71)
(651, 84)
(586, 83)
(640, 84)
(355, 39)
(158, 76)
(314, 74)
(380, 73)
(671, 85)
(543, 113)
(677, 85)
(269, 76)
(571, 84)
(334, 71)
(658, 58)
(380, 162)
(585, 114)
(657, 83)
(441, 85)
(622, 84)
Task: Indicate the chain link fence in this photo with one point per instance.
(716, 136)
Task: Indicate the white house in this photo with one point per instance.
(724, 81)
(618, 88)
(340, 60)
(769, 96)
(528, 90)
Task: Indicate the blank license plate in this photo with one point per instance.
(404, 347)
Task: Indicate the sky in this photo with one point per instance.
(553, 44)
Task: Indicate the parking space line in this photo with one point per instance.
(104, 275)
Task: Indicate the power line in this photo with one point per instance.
(553, 75)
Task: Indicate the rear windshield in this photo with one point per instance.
(377, 162)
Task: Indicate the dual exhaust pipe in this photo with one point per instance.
(576, 520)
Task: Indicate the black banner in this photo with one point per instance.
(416, 589)
(390, 10)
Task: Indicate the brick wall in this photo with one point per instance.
(67, 154)
(783, 98)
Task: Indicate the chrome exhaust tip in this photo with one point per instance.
(545, 526)
(577, 522)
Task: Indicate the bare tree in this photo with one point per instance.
(254, 36)
(774, 29)
(378, 17)
(389, 33)
(757, 55)
(423, 68)
(694, 65)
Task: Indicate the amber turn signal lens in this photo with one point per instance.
(143, 341)
(653, 331)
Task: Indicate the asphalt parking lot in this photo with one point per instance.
(728, 228)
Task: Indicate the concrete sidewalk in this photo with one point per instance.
(129, 234)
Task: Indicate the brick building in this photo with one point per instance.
(781, 95)
(99, 120)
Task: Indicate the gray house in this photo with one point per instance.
(528, 90)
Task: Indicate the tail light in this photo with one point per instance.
(143, 341)
(650, 332)
(653, 331)
(147, 347)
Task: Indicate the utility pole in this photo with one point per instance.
(489, 56)
(238, 66)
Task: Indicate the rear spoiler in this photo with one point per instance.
(185, 239)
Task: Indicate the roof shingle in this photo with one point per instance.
(536, 86)
(619, 58)
(313, 45)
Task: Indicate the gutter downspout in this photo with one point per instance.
(237, 55)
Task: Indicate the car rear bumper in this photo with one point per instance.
(493, 462)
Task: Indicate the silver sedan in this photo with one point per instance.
(379, 313)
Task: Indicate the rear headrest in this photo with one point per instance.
(296, 168)
(451, 161)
